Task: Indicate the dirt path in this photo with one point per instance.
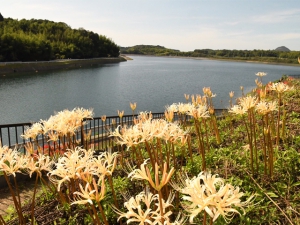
(6, 200)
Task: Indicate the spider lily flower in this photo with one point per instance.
(248, 102)
(11, 161)
(90, 193)
(133, 106)
(172, 108)
(264, 107)
(199, 112)
(261, 74)
(186, 96)
(53, 136)
(147, 130)
(104, 164)
(169, 115)
(62, 123)
(33, 131)
(70, 165)
(258, 83)
(207, 92)
(144, 174)
(135, 212)
(39, 164)
(280, 87)
(210, 193)
(121, 113)
(237, 109)
(103, 118)
(85, 194)
(185, 108)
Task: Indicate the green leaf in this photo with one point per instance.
(272, 194)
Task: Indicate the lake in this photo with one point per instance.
(152, 82)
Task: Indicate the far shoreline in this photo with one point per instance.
(7, 68)
(232, 60)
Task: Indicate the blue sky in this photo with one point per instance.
(179, 24)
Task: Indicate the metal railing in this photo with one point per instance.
(297, 76)
(93, 133)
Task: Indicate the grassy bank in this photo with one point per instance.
(243, 168)
(20, 67)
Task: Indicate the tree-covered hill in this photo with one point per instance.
(31, 40)
(148, 50)
(275, 56)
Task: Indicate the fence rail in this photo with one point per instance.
(93, 133)
(295, 76)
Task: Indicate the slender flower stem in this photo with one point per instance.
(278, 119)
(204, 218)
(250, 147)
(150, 154)
(2, 221)
(102, 213)
(254, 136)
(33, 199)
(161, 207)
(17, 204)
(206, 134)
(91, 214)
(201, 147)
(17, 190)
(264, 125)
(113, 191)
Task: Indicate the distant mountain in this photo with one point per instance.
(282, 49)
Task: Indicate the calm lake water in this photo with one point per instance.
(152, 82)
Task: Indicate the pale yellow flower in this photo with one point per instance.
(185, 108)
(33, 131)
(186, 96)
(264, 107)
(172, 108)
(261, 74)
(11, 161)
(104, 164)
(258, 83)
(231, 94)
(207, 92)
(210, 193)
(103, 118)
(86, 196)
(169, 115)
(136, 213)
(248, 102)
(280, 87)
(90, 193)
(121, 113)
(133, 106)
(199, 112)
(70, 165)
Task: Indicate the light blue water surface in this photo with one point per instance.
(152, 82)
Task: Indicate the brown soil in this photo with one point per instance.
(26, 193)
